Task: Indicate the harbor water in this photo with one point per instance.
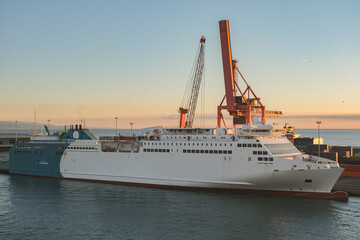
(40, 208)
(333, 137)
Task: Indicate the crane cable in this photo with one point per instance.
(188, 89)
(202, 89)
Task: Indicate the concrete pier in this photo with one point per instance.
(348, 184)
(4, 167)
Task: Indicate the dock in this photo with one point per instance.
(8, 139)
(350, 185)
(4, 167)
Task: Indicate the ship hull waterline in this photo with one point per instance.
(335, 196)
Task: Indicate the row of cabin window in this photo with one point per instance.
(156, 150)
(207, 151)
(249, 145)
(53, 147)
(12, 141)
(28, 147)
(265, 159)
(189, 144)
(193, 137)
(260, 152)
(23, 151)
(35, 152)
(84, 148)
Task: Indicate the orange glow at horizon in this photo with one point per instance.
(123, 122)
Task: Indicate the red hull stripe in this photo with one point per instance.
(336, 196)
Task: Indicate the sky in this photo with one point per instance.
(97, 60)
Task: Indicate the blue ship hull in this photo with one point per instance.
(40, 159)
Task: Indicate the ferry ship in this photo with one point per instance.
(253, 158)
(250, 156)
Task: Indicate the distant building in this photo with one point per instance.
(338, 153)
(345, 150)
(302, 143)
(311, 149)
(329, 155)
(356, 151)
(8, 139)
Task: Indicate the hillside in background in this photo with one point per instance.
(22, 125)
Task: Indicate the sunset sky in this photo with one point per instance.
(84, 59)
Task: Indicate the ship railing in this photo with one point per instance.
(273, 133)
(320, 160)
(47, 142)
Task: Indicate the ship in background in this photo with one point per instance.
(249, 156)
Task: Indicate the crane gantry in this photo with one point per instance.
(189, 102)
(245, 107)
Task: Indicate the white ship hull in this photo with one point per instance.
(178, 169)
(247, 159)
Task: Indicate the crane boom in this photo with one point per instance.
(189, 109)
(227, 64)
(245, 107)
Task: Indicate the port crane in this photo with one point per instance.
(247, 105)
(189, 101)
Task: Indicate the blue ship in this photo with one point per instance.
(41, 155)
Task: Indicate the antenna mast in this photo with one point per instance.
(35, 122)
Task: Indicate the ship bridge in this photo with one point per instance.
(189, 131)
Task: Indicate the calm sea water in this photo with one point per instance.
(38, 208)
(344, 137)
